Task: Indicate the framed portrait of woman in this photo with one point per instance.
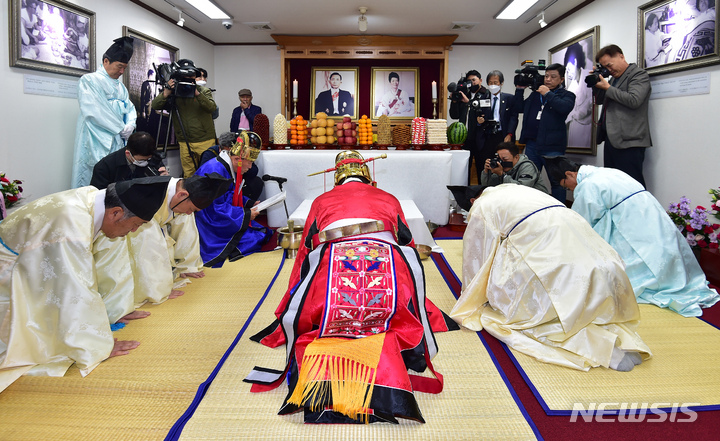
(394, 92)
(577, 55)
(334, 91)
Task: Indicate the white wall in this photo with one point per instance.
(38, 132)
(682, 160)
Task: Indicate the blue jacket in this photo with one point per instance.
(250, 113)
(550, 132)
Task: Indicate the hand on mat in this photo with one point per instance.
(196, 275)
(175, 293)
(123, 347)
(137, 314)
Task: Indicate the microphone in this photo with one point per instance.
(274, 178)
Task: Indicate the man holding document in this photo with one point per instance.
(227, 229)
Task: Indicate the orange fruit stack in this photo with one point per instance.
(298, 131)
(365, 133)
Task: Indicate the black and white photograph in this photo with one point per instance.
(53, 36)
(143, 83)
(334, 91)
(394, 92)
(677, 35)
(577, 55)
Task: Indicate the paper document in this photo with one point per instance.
(270, 201)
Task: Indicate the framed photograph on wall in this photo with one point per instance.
(52, 36)
(675, 35)
(577, 55)
(394, 92)
(143, 84)
(334, 90)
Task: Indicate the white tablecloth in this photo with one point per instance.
(420, 176)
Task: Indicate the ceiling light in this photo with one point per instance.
(515, 9)
(362, 21)
(210, 9)
(542, 21)
(181, 20)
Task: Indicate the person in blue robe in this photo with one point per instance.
(227, 229)
(659, 262)
(107, 116)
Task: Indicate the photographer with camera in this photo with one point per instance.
(191, 107)
(138, 159)
(623, 124)
(545, 110)
(468, 97)
(509, 166)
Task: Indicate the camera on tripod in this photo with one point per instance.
(183, 75)
(593, 78)
(463, 85)
(529, 75)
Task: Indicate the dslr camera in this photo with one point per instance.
(529, 75)
(593, 78)
(463, 85)
(491, 127)
(183, 76)
(496, 162)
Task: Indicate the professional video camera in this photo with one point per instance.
(529, 75)
(593, 78)
(463, 85)
(184, 84)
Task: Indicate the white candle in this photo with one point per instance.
(295, 89)
(434, 90)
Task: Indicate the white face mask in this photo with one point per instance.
(140, 163)
(494, 88)
(201, 82)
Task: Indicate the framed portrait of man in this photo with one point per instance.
(394, 92)
(577, 55)
(675, 35)
(143, 83)
(52, 36)
(334, 91)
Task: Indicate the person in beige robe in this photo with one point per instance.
(51, 313)
(537, 277)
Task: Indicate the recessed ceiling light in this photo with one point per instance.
(515, 9)
(210, 9)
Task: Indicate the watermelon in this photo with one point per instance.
(457, 133)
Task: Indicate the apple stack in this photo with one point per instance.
(384, 131)
(418, 131)
(279, 129)
(437, 131)
(346, 131)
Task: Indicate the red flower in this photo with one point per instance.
(11, 198)
(713, 246)
(708, 229)
(702, 244)
(715, 226)
(700, 207)
(4, 179)
(689, 228)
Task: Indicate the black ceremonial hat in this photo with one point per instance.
(203, 190)
(143, 196)
(121, 50)
(463, 194)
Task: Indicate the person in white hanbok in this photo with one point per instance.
(661, 266)
(538, 278)
(51, 313)
(107, 116)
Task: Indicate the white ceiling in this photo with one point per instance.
(385, 17)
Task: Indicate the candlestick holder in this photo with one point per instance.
(294, 112)
(434, 101)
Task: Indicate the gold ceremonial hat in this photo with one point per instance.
(350, 163)
(247, 145)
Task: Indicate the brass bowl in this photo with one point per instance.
(424, 251)
(432, 226)
(290, 240)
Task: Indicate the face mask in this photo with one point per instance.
(201, 82)
(506, 164)
(494, 88)
(142, 163)
(474, 88)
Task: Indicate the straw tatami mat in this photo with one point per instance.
(475, 403)
(686, 354)
(139, 396)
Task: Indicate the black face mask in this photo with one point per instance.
(506, 164)
(474, 88)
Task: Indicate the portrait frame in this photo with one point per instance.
(320, 83)
(578, 53)
(50, 38)
(684, 38)
(380, 85)
(148, 52)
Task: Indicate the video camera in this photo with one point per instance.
(529, 75)
(184, 83)
(593, 78)
(463, 85)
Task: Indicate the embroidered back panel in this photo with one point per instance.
(361, 288)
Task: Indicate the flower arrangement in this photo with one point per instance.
(714, 196)
(11, 190)
(694, 224)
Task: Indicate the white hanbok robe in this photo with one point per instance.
(538, 278)
(658, 260)
(105, 109)
(51, 313)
